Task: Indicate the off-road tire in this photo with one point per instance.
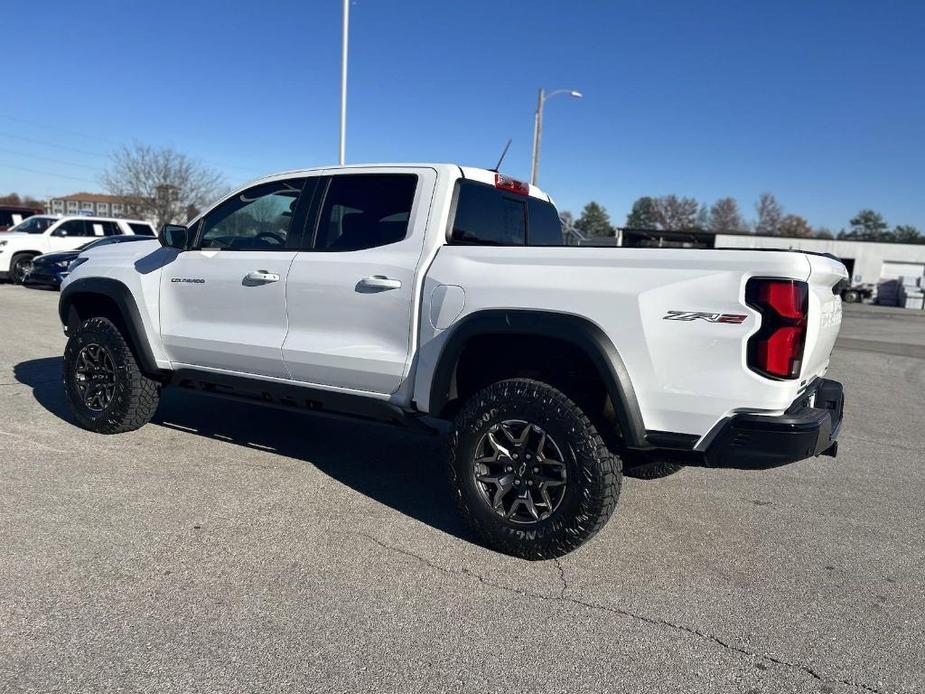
(135, 396)
(593, 471)
(17, 271)
(652, 471)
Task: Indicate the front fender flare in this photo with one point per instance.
(121, 296)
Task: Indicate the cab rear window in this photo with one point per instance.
(488, 216)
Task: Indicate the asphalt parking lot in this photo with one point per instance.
(225, 548)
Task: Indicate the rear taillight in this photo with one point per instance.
(776, 350)
(503, 182)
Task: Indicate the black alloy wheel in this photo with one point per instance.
(95, 377)
(520, 472)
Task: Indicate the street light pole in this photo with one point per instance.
(537, 134)
(343, 84)
(538, 127)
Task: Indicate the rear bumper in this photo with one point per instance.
(809, 428)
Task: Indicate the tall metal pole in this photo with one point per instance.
(537, 136)
(343, 85)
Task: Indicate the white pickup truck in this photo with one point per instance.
(417, 293)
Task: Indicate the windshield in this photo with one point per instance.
(34, 225)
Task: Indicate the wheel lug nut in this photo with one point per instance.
(528, 456)
(508, 469)
(536, 469)
(514, 456)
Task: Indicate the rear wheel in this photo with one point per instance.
(19, 268)
(532, 475)
(106, 390)
(852, 296)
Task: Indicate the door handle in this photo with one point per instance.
(380, 282)
(261, 277)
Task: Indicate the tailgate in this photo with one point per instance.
(824, 314)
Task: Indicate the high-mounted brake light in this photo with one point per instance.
(503, 182)
(776, 350)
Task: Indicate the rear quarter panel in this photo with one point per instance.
(687, 375)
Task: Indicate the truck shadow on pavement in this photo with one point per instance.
(400, 469)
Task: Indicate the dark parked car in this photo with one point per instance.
(50, 269)
(11, 215)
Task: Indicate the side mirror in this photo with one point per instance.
(174, 236)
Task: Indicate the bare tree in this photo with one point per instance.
(676, 213)
(770, 214)
(160, 183)
(795, 225)
(725, 216)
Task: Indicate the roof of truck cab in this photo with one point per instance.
(467, 172)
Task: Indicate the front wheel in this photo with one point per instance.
(19, 268)
(852, 296)
(532, 474)
(106, 390)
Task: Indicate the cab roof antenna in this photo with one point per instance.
(503, 154)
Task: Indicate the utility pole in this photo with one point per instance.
(537, 134)
(538, 127)
(343, 84)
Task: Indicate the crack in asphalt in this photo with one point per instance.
(655, 621)
(562, 579)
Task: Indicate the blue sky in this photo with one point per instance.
(821, 103)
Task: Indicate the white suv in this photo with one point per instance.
(20, 245)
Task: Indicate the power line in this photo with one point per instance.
(51, 159)
(49, 173)
(53, 127)
(96, 137)
(52, 144)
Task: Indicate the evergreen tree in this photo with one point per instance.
(644, 214)
(594, 221)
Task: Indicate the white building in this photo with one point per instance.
(867, 261)
(95, 203)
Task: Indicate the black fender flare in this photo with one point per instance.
(121, 296)
(580, 332)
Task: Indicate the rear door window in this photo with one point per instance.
(109, 228)
(74, 227)
(365, 211)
